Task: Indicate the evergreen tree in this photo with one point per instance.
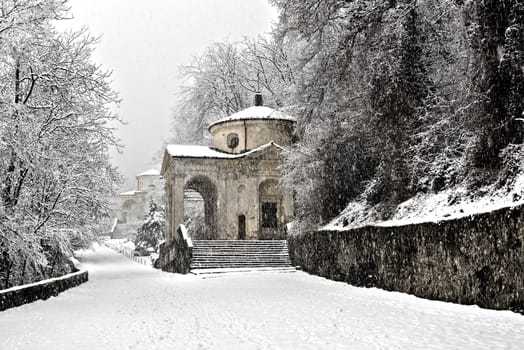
(152, 230)
(496, 37)
(399, 87)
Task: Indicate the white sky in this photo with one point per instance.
(143, 43)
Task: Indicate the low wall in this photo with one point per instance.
(477, 259)
(42, 290)
(175, 255)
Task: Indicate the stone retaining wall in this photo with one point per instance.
(42, 290)
(472, 260)
(175, 255)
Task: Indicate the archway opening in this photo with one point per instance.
(129, 211)
(241, 227)
(194, 214)
(200, 200)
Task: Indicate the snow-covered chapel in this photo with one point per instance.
(238, 177)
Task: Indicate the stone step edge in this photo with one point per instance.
(237, 246)
(261, 264)
(203, 271)
(239, 254)
(240, 258)
(203, 266)
(241, 240)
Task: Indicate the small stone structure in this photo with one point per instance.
(238, 178)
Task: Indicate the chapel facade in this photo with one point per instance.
(238, 177)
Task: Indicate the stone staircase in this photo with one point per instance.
(240, 255)
(124, 231)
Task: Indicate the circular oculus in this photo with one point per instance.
(232, 140)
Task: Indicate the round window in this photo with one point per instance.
(232, 140)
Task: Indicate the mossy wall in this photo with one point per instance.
(472, 260)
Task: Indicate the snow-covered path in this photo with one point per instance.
(129, 306)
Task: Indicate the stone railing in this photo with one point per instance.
(42, 290)
(129, 253)
(176, 254)
(477, 259)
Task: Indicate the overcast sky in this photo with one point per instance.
(143, 43)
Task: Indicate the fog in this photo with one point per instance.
(143, 43)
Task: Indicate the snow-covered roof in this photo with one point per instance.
(150, 172)
(193, 151)
(255, 112)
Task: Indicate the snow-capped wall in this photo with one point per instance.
(42, 290)
(477, 259)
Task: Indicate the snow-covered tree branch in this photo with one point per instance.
(56, 125)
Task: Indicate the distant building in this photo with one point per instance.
(133, 205)
(237, 178)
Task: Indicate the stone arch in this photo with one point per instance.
(270, 209)
(129, 211)
(207, 190)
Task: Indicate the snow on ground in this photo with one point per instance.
(126, 305)
(120, 243)
(446, 205)
(127, 247)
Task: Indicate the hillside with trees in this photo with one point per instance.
(55, 133)
(398, 102)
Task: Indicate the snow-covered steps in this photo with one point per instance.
(220, 272)
(231, 254)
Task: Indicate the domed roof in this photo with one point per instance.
(254, 113)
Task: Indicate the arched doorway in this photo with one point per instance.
(200, 201)
(241, 227)
(242, 209)
(269, 209)
(194, 214)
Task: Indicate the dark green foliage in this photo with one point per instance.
(398, 90)
(338, 163)
(152, 230)
(496, 37)
(347, 165)
(431, 85)
(364, 81)
(394, 98)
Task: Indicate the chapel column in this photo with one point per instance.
(177, 203)
(168, 205)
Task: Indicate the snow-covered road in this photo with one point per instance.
(126, 305)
